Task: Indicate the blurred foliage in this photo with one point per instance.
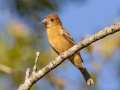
(27, 6)
(32, 6)
(107, 46)
(35, 9)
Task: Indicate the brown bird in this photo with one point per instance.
(61, 41)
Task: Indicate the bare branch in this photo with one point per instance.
(27, 73)
(36, 61)
(6, 69)
(34, 77)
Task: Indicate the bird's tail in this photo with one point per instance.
(78, 62)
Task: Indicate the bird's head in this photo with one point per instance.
(51, 20)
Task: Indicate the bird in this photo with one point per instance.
(60, 41)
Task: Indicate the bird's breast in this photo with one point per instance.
(58, 42)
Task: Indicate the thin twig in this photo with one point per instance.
(36, 61)
(27, 75)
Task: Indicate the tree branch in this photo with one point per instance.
(37, 75)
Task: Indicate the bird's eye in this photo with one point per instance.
(51, 19)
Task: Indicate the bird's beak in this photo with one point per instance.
(43, 21)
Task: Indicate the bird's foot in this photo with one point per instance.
(90, 82)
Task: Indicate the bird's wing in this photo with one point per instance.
(54, 49)
(68, 37)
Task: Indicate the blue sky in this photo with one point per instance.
(91, 17)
